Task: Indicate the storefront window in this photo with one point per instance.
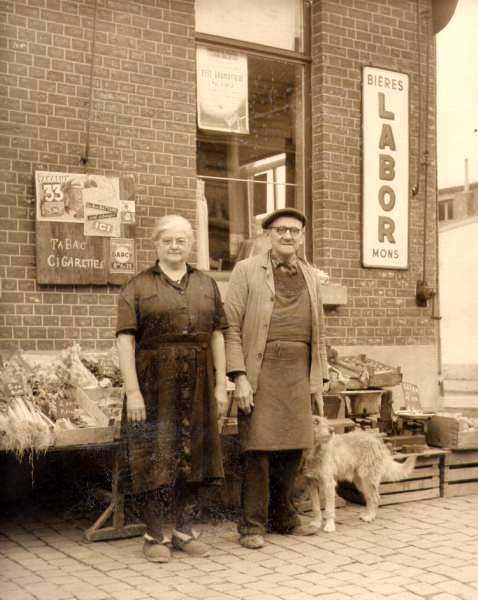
(276, 23)
(258, 164)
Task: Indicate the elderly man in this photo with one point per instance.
(276, 357)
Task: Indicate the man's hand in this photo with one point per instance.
(220, 394)
(243, 394)
(135, 408)
(318, 402)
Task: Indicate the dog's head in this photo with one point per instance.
(323, 432)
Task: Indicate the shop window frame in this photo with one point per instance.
(301, 58)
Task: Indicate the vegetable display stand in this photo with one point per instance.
(422, 484)
(115, 512)
(459, 473)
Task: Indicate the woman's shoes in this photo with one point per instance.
(189, 544)
(253, 542)
(158, 551)
(155, 551)
(191, 547)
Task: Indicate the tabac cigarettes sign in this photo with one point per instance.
(385, 169)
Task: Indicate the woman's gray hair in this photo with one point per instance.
(164, 223)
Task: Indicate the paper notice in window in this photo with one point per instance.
(222, 91)
(102, 209)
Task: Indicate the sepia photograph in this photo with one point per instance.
(238, 300)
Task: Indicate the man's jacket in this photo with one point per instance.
(249, 304)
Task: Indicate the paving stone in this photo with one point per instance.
(382, 587)
(445, 597)
(126, 594)
(370, 596)
(16, 595)
(48, 591)
(358, 562)
(454, 587)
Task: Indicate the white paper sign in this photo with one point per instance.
(385, 186)
(222, 91)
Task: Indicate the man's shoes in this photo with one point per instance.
(189, 545)
(253, 542)
(155, 551)
(304, 529)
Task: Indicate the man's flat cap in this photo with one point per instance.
(283, 212)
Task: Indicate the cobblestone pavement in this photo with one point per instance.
(425, 549)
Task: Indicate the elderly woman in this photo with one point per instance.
(171, 349)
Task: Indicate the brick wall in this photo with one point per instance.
(347, 35)
(143, 126)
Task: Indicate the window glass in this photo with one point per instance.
(445, 210)
(276, 23)
(248, 175)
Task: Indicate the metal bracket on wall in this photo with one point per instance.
(423, 293)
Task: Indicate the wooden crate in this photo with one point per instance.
(101, 434)
(444, 432)
(422, 484)
(459, 473)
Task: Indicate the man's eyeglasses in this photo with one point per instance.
(294, 231)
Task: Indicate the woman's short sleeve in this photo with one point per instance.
(220, 319)
(127, 321)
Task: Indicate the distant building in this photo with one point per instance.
(458, 248)
(457, 203)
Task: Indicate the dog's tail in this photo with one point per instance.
(393, 470)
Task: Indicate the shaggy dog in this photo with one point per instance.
(359, 457)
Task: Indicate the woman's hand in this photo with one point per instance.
(220, 394)
(243, 394)
(135, 408)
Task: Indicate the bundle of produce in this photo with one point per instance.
(78, 419)
(105, 367)
(51, 388)
(464, 423)
(22, 424)
(79, 375)
(112, 404)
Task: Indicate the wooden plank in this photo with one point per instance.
(407, 486)
(113, 533)
(460, 474)
(409, 496)
(427, 471)
(459, 489)
(350, 493)
(461, 457)
(432, 455)
(65, 256)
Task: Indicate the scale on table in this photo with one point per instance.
(412, 418)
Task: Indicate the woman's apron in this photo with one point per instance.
(179, 437)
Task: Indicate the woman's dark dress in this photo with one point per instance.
(172, 324)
